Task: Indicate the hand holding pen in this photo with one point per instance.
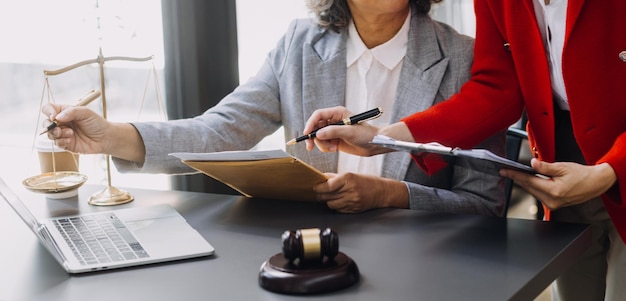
(82, 130)
(371, 114)
(85, 100)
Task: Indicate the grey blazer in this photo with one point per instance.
(307, 71)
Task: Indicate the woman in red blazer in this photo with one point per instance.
(510, 74)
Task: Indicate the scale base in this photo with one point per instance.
(110, 196)
(280, 276)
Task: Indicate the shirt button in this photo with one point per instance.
(622, 56)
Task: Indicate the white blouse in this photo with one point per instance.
(551, 20)
(372, 80)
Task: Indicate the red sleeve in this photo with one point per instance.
(613, 199)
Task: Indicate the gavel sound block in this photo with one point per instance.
(309, 264)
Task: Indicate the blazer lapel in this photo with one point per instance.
(574, 7)
(533, 70)
(423, 69)
(324, 84)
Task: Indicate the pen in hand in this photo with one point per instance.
(371, 114)
(85, 100)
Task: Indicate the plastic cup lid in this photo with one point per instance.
(44, 144)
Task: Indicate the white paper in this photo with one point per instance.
(232, 155)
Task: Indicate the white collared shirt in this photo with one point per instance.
(551, 20)
(372, 80)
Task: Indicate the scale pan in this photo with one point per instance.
(55, 182)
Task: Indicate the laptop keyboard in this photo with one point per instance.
(99, 239)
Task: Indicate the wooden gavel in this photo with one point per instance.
(310, 245)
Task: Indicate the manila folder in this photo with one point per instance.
(255, 175)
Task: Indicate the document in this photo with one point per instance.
(271, 174)
(479, 159)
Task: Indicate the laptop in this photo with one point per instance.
(113, 239)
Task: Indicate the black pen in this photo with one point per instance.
(371, 114)
(85, 100)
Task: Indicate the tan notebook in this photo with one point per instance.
(259, 174)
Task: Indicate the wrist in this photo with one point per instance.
(124, 141)
(605, 174)
(396, 194)
(398, 131)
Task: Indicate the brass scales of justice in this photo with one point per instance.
(110, 195)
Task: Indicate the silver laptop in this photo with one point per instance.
(113, 239)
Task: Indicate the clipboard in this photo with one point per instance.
(270, 174)
(479, 159)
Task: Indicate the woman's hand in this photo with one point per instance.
(353, 139)
(81, 130)
(568, 183)
(352, 193)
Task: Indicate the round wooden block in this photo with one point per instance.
(280, 276)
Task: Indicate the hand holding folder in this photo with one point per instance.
(259, 174)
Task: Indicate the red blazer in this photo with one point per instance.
(510, 74)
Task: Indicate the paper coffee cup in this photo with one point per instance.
(53, 158)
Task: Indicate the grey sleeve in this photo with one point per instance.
(239, 121)
(460, 189)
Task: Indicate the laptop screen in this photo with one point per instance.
(10, 197)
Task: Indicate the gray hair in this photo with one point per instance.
(335, 14)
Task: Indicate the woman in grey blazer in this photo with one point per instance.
(307, 70)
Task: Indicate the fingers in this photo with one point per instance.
(51, 110)
(529, 181)
(354, 139)
(319, 119)
(339, 193)
(63, 143)
(326, 146)
(335, 132)
(62, 137)
(332, 185)
(309, 144)
(542, 167)
(59, 113)
(336, 193)
(340, 206)
(562, 188)
(328, 140)
(70, 114)
(323, 117)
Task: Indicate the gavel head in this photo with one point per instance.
(310, 245)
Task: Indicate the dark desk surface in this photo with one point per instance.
(401, 254)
